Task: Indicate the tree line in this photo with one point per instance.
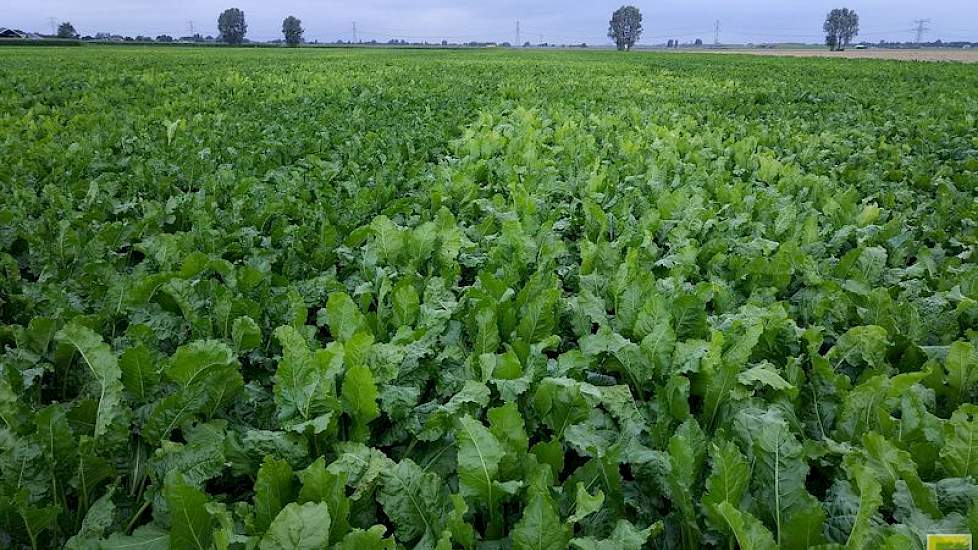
(624, 29)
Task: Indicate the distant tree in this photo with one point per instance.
(141, 38)
(164, 38)
(841, 26)
(232, 25)
(292, 29)
(527, 44)
(67, 30)
(698, 42)
(444, 42)
(669, 43)
(625, 27)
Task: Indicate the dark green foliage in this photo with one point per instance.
(485, 300)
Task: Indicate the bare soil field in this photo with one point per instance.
(965, 56)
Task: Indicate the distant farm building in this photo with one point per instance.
(12, 33)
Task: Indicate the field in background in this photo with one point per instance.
(485, 300)
(962, 55)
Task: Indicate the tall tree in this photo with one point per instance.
(67, 30)
(841, 26)
(232, 26)
(625, 27)
(292, 29)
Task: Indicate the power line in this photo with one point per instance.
(920, 29)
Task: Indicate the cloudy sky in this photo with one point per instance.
(559, 21)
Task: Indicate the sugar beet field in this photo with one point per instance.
(435, 300)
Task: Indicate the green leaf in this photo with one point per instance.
(780, 467)
(97, 520)
(245, 334)
(344, 317)
(659, 344)
(889, 464)
(274, 488)
(298, 527)
(321, 485)
(487, 331)
(870, 500)
(388, 238)
(303, 381)
(765, 375)
(193, 362)
(360, 399)
(748, 530)
(190, 524)
(585, 503)
(104, 368)
(407, 303)
(415, 500)
(147, 537)
(559, 403)
(728, 479)
(479, 454)
(371, 539)
(959, 455)
(540, 528)
(139, 373)
(861, 346)
(962, 369)
(625, 536)
(462, 532)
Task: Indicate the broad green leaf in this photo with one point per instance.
(625, 536)
(765, 375)
(360, 399)
(245, 333)
(274, 488)
(728, 478)
(559, 403)
(780, 467)
(147, 537)
(540, 528)
(407, 303)
(869, 502)
(888, 464)
(344, 317)
(962, 369)
(321, 485)
(97, 520)
(748, 530)
(479, 455)
(192, 363)
(959, 456)
(370, 539)
(298, 527)
(415, 500)
(104, 367)
(190, 524)
(303, 381)
(860, 346)
(585, 503)
(487, 331)
(140, 375)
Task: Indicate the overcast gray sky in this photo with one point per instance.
(463, 20)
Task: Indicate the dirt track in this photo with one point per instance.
(966, 56)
